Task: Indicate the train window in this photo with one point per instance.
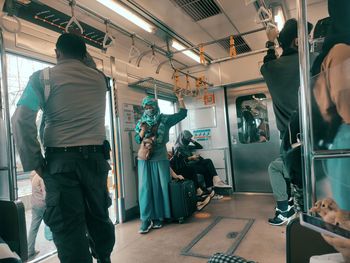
(252, 116)
(167, 107)
(19, 70)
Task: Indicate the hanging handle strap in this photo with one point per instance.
(73, 19)
(134, 52)
(107, 37)
(233, 51)
(261, 12)
(201, 54)
(18, 26)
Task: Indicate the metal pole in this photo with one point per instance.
(218, 40)
(10, 164)
(118, 151)
(239, 56)
(305, 105)
(126, 32)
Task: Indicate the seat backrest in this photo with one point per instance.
(303, 243)
(13, 227)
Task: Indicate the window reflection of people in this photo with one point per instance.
(250, 130)
(154, 174)
(199, 164)
(332, 94)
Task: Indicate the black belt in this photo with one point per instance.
(76, 149)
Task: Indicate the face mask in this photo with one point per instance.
(149, 112)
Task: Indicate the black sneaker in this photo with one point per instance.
(282, 217)
(291, 201)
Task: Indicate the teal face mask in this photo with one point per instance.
(149, 112)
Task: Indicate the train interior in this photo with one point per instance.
(211, 50)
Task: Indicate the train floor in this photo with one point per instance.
(207, 232)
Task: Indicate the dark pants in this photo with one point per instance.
(77, 203)
(189, 173)
(206, 168)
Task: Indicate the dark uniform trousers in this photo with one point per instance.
(77, 203)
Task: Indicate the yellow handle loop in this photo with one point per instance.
(233, 51)
(201, 55)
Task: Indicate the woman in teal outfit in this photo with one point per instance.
(154, 174)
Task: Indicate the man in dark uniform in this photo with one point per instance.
(282, 78)
(72, 96)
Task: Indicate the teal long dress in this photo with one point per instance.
(154, 176)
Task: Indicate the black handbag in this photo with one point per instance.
(178, 162)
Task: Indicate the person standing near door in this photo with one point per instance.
(282, 79)
(38, 210)
(75, 169)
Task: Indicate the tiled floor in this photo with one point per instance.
(263, 243)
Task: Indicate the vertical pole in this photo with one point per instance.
(9, 146)
(118, 149)
(305, 104)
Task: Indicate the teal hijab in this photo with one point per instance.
(156, 118)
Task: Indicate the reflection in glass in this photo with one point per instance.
(19, 71)
(252, 115)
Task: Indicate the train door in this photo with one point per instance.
(19, 69)
(254, 138)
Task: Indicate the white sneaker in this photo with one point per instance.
(221, 184)
(218, 183)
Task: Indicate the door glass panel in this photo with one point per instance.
(19, 71)
(252, 116)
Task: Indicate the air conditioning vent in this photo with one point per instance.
(198, 9)
(241, 45)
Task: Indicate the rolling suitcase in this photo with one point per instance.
(13, 227)
(183, 199)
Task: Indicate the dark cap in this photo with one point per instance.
(289, 32)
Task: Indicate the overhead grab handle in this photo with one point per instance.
(134, 51)
(201, 55)
(107, 37)
(73, 19)
(153, 60)
(16, 29)
(263, 12)
(233, 51)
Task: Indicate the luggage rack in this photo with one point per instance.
(155, 87)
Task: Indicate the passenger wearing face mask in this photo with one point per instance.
(154, 173)
(195, 161)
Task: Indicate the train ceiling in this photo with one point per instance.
(190, 21)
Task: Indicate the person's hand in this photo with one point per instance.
(144, 126)
(178, 94)
(272, 33)
(340, 244)
(180, 177)
(330, 213)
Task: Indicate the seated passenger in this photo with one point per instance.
(332, 95)
(196, 162)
